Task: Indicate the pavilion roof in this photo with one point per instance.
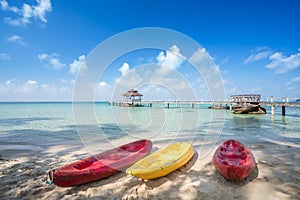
(131, 93)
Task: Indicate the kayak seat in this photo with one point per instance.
(83, 164)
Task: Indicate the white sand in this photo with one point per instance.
(277, 176)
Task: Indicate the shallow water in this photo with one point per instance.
(40, 125)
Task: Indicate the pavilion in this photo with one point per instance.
(132, 98)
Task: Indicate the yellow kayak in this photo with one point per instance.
(163, 161)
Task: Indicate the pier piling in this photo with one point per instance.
(273, 109)
(283, 110)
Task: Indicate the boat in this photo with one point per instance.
(101, 165)
(247, 104)
(163, 161)
(233, 160)
(249, 109)
(219, 107)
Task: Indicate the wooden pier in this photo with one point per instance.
(241, 104)
(193, 104)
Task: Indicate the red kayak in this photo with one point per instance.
(101, 165)
(233, 160)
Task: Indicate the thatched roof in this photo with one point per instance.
(132, 93)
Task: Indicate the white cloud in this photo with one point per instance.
(130, 80)
(16, 39)
(77, 65)
(203, 60)
(65, 89)
(103, 91)
(199, 56)
(168, 76)
(209, 71)
(27, 12)
(103, 84)
(8, 82)
(65, 81)
(5, 6)
(4, 56)
(291, 88)
(278, 62)
(232, 90)
(32, 90)
(31, 82)
(124, 69)
(56, 63)
(42, 56)
(156, 92)
(45, 86)
(296, 79)
(170, 60)
(28, 86)
(51, 60)
(293, 80)
(282, 64)
(258, 54)
(42, 8)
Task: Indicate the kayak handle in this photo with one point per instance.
(50, 177)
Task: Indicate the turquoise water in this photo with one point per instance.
(40, 125)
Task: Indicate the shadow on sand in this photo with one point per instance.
(277, 167)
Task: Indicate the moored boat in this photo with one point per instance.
(247, 104)
(249, 109)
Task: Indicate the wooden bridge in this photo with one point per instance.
(272, 102)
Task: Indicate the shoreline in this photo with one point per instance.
(23, 176)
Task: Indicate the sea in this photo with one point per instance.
(37, 126)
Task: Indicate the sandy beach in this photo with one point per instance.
(79, 78)
(23, 176)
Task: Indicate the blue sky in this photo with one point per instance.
(43, 43)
